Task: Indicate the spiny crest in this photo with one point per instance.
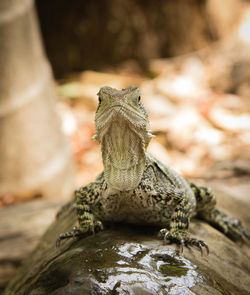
(112, 92)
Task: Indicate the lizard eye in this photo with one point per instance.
(139, 98)
(99, 99)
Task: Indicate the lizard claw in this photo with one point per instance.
(182, 238)
(77, 232)
(199, 244)
(180, 247)
(73, 234)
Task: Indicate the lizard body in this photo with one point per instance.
(135, 187)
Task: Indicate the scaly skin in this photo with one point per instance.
(135, 187)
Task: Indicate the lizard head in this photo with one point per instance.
(123, 130)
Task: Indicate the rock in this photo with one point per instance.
(21, 226)
(125, 259)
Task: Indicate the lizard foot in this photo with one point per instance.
(182, 238)
(78, 232)
(233, 229)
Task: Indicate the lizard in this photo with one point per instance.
(137, 188)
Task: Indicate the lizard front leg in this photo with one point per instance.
(178, 231)
(84, 198)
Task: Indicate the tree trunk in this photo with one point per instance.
(34, 155)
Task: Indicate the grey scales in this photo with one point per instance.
(135, 187)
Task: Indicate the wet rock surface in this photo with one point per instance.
(126, 259)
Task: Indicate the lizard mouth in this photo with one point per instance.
(119, 111)
(123, 156)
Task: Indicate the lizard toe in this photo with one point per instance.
(182, 239)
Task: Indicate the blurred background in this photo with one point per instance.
(191, 62)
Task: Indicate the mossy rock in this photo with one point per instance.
(126, 259)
